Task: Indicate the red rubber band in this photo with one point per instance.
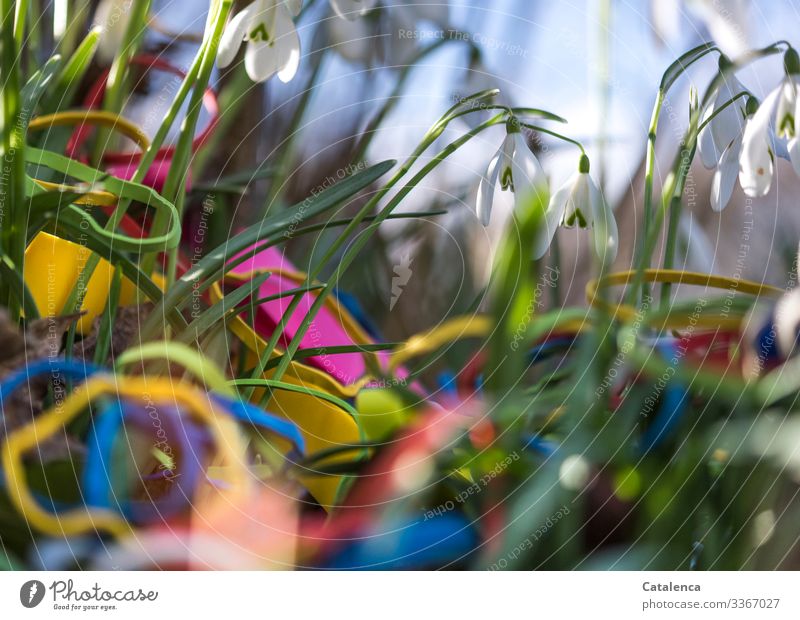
(95, 97)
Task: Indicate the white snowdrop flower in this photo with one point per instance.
(727, 123)
(580, 202)
(728, 168)
(720, 140)
(778, 111)
(517, 169)
(273, 46)
(354, 39)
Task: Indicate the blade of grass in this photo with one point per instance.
(71, 76)
(228, 305)
(12, 233)
(106, 326)
(272, 384)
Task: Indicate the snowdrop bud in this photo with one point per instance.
(694, 100)
(273, 45)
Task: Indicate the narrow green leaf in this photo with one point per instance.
(299, 389)
(683, 62)
(302, 354)
(73, 72)
(219, 311)
(13, 277)
(106, 327)
(37, 84)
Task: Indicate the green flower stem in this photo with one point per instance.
(516, 112)
(650, 164)
(672, 73)
(729, 102)
(175, 185)
(13, 209)
(513, 294)
(231, 99)
(676, 207)
(115, 86)
(554, 134)
(353, 250)
(673, 190)
(603, 87)
(555, 260)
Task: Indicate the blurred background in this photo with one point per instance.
(595, 62)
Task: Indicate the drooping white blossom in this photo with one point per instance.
(777, 113)
(518, 170)
(579, 202)
(273, 46)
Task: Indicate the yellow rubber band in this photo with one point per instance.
(224, 430)
(458, 328)
(196, 363)
(629, 314)
(93, 117)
